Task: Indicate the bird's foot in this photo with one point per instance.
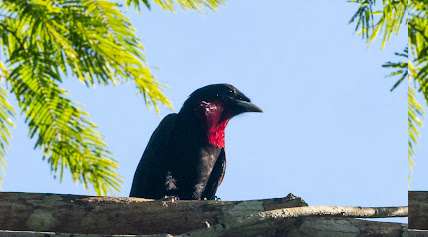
(170, 199)
(215, 198)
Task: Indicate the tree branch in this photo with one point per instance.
(107, 216)
(289, 215)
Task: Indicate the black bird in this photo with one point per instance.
(185, 156)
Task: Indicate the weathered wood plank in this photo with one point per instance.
(9, 233)
(54, 215)
(417, 233)
(418, 210)
(305, 227)
(109, 215)
(309, 227)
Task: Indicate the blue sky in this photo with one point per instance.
(331, 131)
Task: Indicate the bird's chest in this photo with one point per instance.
(206, 158)
(191, 152)
(195, 156)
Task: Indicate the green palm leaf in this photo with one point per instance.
(45, 41)
(386, 17)
(373, 18)
(6, 119)
(170, 4)
(62, 130)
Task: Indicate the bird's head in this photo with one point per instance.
(215, 105)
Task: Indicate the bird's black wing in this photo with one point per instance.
(216, 177)
(149, 178)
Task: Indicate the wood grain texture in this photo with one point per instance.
(308, 227)
(55, 215)
(417, 233)
(418, 210)
(109, 215)
(9, 233)
(305, 227)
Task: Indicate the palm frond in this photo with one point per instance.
(62, 130)
(137, 3)
(43, 42)
(386, 18)
(400, 68)
(170, 5)
(371, 20)
(46, 41)
(417, 68)
(414, 121)
(91, 38)
(6, 119)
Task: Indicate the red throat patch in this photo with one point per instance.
(216, 122)
(216, 134)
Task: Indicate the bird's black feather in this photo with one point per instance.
(185, 157)
(216, 177)
(149, 178)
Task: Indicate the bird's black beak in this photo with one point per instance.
(243, 106)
